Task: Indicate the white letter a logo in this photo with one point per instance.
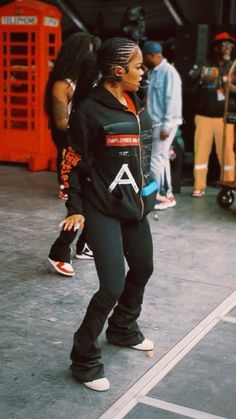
(127, 180)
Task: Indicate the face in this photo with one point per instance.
(131, 80)
(148, 60)
(224, 49)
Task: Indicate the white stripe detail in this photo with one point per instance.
(175, 408)
(129, 400)
(200, 166)
(229, 319)
(229, 167)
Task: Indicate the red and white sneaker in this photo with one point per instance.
(64, 268)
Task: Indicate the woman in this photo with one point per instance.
(61, 85)
(71, 78)
(107, 130)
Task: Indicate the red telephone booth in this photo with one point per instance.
(30, 38)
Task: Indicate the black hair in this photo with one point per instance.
(114, 52)
(72, 52)
(89, 76)
(71, 61)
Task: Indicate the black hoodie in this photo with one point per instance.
(115, 149)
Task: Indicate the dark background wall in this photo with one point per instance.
(185, 27)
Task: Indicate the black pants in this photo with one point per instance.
(61, 251)
(111, 240)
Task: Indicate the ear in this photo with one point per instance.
(119, 71)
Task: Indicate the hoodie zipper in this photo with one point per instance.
(140, 160)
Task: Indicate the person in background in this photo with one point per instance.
(133, 24)
(164, 104)
(209, 122)
(71, 78)
(60, 89)
(109, 129)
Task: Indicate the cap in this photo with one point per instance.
(152, 47)
(224, 36)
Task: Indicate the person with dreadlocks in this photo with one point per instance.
(73, 75)
(112, 132)
(61, 85)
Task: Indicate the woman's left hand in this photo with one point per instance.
(73, 222)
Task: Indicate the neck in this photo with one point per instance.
(158, 60)
(115, 88)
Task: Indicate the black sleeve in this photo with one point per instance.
(81, 133)
(69, 171)
(74, 202)
(80, 136)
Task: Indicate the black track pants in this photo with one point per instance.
(111, 240)
(61, 250)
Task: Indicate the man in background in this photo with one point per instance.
(209, 118)
(164, 104)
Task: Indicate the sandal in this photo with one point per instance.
(198, 194)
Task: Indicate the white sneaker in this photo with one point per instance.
(171, 202)
(63, 268)
(161, 198)
(198, 194)
(85, 254)
(161, 202)
(102, 384)
(161, 205)
(146, 345)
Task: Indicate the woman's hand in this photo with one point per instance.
(73, 222)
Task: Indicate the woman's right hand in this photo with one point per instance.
(73, 222)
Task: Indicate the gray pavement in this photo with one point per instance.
(189, 312)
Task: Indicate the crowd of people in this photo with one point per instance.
(114, 151)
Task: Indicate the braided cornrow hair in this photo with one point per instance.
(114, 52)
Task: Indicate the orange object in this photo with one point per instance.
(30, 39)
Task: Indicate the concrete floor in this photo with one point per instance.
(189, 312)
